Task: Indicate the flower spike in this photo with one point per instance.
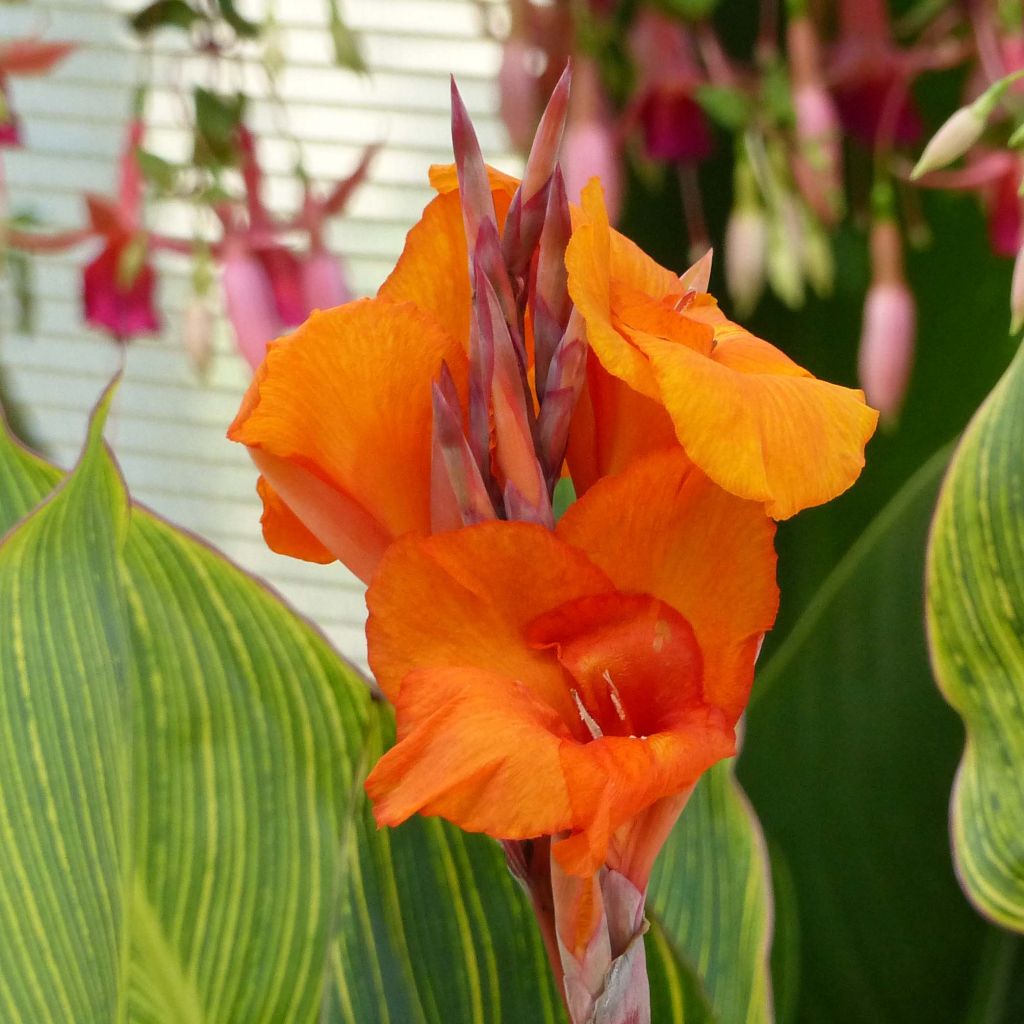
(474, 188)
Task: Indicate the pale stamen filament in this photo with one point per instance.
(613, 692)
(586, 717)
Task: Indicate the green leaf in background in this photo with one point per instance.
(976, 632)
(64, 803)
(241, 26)
(164, 14)
(217, 121)
(848, 758)
(160, 173)
(347, 50)
(710, 893)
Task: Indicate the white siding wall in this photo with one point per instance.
(167, 428)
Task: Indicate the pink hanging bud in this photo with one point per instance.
(886, 354)
(591, 149)
(323, 283)
(517, 89)
(817, 162)
(958, 133)
(250, 304)
(1017, 293)
(197, 334)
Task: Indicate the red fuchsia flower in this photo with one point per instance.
(870, 77)
(591, 148)
(23, 57)
(886, 355)
(118, 285)
(672, 123)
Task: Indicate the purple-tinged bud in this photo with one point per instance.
(562, 389)
(458, 496)
(551, 302)
(486, 260)
(746, 248)
(513, 412)
(1017, 293)
(526, 214)
(886, 353)
(474, 186)
(517, 89)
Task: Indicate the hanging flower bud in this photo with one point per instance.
(197, 333)
(590, 149)
(958, 133)
(886, 353)
(746, 242)
(817, 163)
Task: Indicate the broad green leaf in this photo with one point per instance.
(848, 757)
(711, 894)
(976, 631)
(65, 841)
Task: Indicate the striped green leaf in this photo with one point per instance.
(65, 844)
(711, 895)
(249, 882)
(976, 633)
(847, 758)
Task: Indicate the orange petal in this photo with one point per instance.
(463, 598)
(613, 426)
(701, 550)
(477, 748)
(284, 532)
(759, 425)
(445, 178)
(346, 400)
(588, 260)
(433, 270)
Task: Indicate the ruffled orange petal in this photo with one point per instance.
(463, 598)
(663, 528)
(433, 270)
(477, 748)
(343, 405)
(759, 425)
(445, 178)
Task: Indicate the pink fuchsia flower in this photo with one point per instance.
(23, 57)
(886, 355)
(118, 285)
(673, 124)
(249, 298)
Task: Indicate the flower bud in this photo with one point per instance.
(959, 132)
(746, 246)
(197, 334)
(886, 353)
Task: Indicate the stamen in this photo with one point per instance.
(613, 692)
(586, 718)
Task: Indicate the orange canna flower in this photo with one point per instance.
(338, 416)
(665, 356)
(573, 683)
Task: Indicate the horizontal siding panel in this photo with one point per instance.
(167, 427)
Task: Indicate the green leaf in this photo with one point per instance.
(690, 10)
(347, 50)
(217, 121)
(710, 893)
(242, 27)
(160, 173)
(65, 841)
(848, 757)
(976, 631)
(164, 14)
(725, 105)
